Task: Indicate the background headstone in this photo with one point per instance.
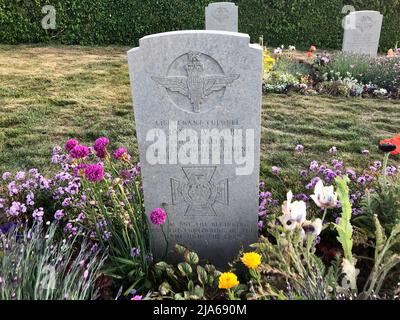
(211, 208)
(362, 32)
(222, 16)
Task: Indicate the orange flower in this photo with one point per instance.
(395, 141)
(313, 48)
(390, 53)
(309, 53)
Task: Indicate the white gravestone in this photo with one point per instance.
(222, 16)
(197, 104)
(362, 32)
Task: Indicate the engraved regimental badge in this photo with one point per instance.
(195, 82)
(199, 193)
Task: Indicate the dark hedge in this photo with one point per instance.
(101, 22)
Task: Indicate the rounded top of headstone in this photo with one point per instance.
(222, 4)
(199, 32)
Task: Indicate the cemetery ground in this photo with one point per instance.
(49, 94)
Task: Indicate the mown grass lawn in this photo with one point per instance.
(48, 94)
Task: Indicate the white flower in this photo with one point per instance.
(294, 213)
(313, 228)
(324, 197)
(292, 48)
(351, 274)
(278, 51)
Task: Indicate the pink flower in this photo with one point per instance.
(121, 153)
(94, 172)
(137, 297)
(158, 216)
(100, 146)
(70, 144)
(79, 152)
(86, 274)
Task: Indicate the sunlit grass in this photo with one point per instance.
(48, 94)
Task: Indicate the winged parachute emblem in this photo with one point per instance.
(196, 86)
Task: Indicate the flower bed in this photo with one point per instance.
(335, 237)
(335, 74)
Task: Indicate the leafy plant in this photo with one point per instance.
(187, 280)
(35, 264)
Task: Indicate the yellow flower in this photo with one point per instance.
(227, 280)
(251, 260)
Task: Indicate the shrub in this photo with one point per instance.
(36, 264)
(125, 21)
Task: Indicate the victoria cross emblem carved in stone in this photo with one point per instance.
(199, 193)
(195, 82)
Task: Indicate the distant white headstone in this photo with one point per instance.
(222, 16)
(197, 102)
(362, 32)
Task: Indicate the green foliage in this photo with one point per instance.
(385, 203)
(344, 227)
(299, 22)
(35, 264)
(385, 259)
(292, 269)
(187, 280)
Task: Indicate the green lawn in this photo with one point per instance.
(48, 94)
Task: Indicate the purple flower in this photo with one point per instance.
(276, 170)
(329, 175)
(314, 166)
(79, 152)
(126, 174)
(80, 217)
(265, 195)
(86, 274)
(333, 150)
(338, 165)
(261, 185)
(362, 180)
(299, 148)
(137, 297)
(6, 175)
(16, 208)
(69, 228)
(100, 146)
(303, 173)
(158, 216)
(302, 197)
(2, 203)
(314, 181)
(377, 164)
(38, 214)
(58, 215)
(135, 252)
(66, 202)
(391, 170)
(94, 172)
(352, 174)
(20, 175)
(262, 214)
(12, 188)
(260, 224)
(121, 153)
(29, 199)
(70, 144)
(356, 211)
